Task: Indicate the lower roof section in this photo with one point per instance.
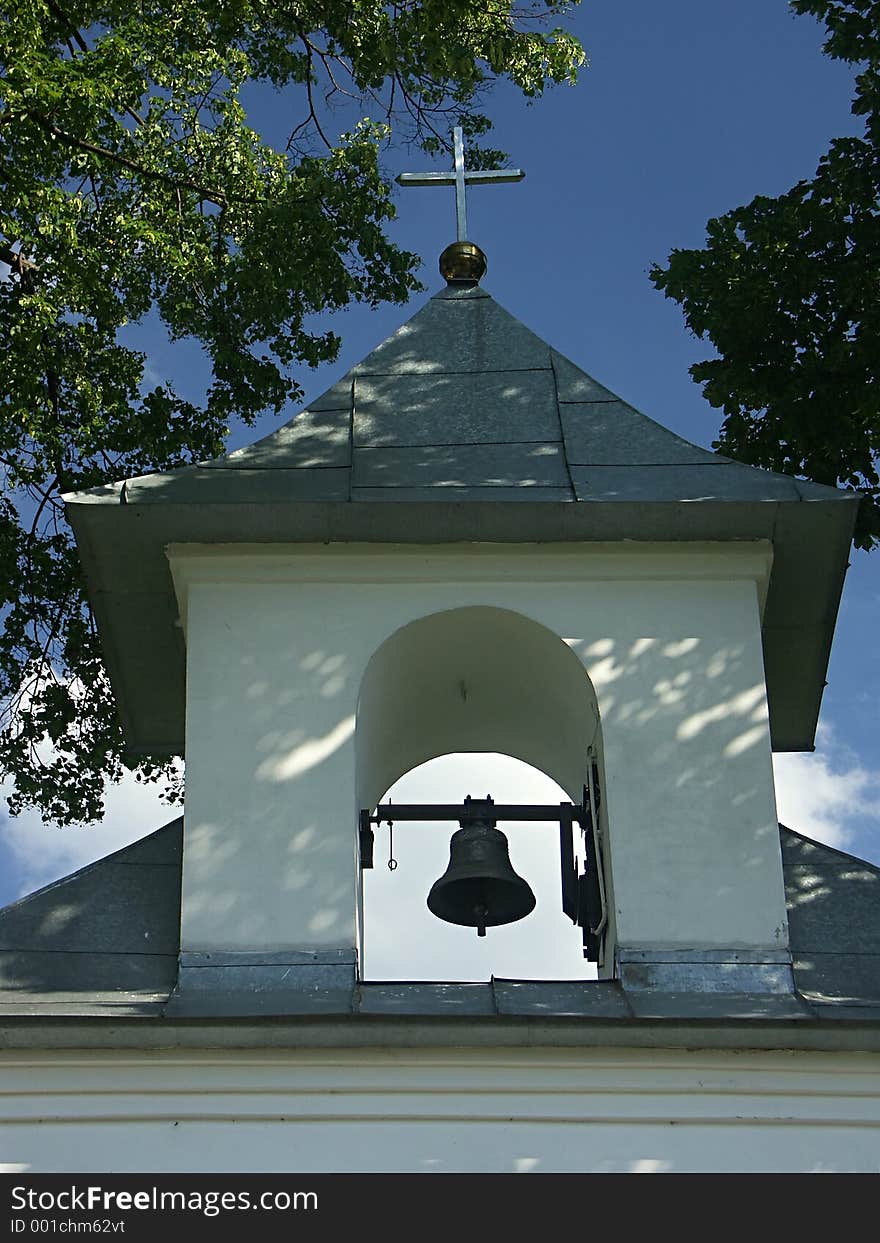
(92, 961)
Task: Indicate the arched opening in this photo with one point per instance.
(508, 705)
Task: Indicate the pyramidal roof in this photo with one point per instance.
(465, 403)
(478, 431)
(466, 399)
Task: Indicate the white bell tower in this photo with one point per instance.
(469, 544)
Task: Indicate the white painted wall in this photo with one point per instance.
(452, 1110)
(279, 641)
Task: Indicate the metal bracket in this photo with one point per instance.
(366, 839)
(569, 869)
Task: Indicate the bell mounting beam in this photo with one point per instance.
(581, 898)
(476, 810)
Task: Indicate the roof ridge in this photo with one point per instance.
(834, 850)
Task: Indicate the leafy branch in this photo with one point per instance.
(786, 289)
(133, 184)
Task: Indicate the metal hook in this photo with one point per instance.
(392, 862)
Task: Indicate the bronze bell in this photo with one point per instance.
(479, 888)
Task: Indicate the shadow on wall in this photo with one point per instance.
(690, 687)
(281, 856)
(691, 712)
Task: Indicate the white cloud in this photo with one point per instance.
(827, 794)
(40, 853)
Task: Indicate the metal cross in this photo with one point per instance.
(460, 178)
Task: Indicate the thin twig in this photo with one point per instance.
(312, 110)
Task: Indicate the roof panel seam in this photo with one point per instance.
(644, 465)
(276, 470)
(841, 953)
(432, 375)
(92, 953)
(352, 406)
(457, 444)
(565, 457)
(128, 863)
(661, 465)
(452, 487)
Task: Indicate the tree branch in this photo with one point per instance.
(182, 183)
(83, 46)
(307, 45)
(19, 263)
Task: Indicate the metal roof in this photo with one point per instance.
(104, 943)
(476, 430)
(105, 938)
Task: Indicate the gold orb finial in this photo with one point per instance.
(462, 263)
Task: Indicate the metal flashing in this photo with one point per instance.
(561, 998)
(120, 1032)
(266, 990)
(425, 999)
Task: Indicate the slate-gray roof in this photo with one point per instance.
(106, 937)
(104, 942)
(476, 430)
(465, 399)
(833, 903)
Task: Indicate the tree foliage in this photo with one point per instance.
(787, 289)
(133, 186)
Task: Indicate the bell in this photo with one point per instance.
(479, 888)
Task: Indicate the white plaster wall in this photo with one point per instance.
(278, 644)
(440, 1110)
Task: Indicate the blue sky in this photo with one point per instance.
(684, 111)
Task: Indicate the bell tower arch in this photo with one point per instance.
(474, 679)
(479, 680)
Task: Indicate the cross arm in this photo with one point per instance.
(425, 179)
(448, 179)
(459, 177)
(493, 174)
